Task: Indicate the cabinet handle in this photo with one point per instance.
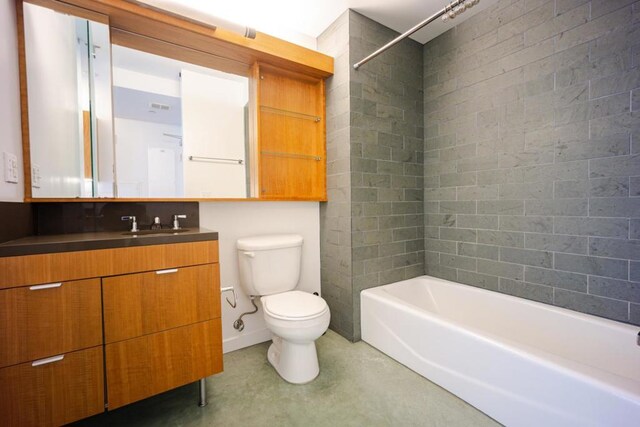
(48, 360)
(169, 271)
(48, 286)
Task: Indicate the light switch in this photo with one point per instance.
(35, 175)
(10, 168)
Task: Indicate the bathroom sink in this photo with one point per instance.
(148, 232)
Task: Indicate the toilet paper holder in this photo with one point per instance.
(233, 291)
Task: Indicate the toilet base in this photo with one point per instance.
(296, 363)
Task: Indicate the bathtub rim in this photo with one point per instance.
(590, 318)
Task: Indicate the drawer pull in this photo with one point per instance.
(48, 360)
(169, 271)
(48, 286)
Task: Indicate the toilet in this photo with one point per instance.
(270, 268)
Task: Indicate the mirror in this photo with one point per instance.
(180, 129)
(68, 70)
(110, 121)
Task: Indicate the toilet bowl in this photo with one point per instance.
(270, 268)
(296, 319)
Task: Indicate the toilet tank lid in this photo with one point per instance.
(276, 241)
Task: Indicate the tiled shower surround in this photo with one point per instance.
(373, 225)
(532, 153)
(531, 134)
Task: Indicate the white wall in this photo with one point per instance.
(233, 220)
(10, 135)
(213, 123)
(133, 140)
(53, 101)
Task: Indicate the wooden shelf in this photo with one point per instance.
(265, 109)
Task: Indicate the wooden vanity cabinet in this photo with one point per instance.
(165, 321)
(151, 364)
(69, 388)
(51, 354)
(114, 327)
(43, 320)
(145, 303)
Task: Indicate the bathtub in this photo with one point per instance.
(521, 362)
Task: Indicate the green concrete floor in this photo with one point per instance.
(357, 386)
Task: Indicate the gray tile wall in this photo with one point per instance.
(387, 164)
(532, 153)
(335, 215)
(372, 229)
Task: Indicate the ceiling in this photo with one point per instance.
(302, 22)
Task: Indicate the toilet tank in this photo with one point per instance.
(269, 264)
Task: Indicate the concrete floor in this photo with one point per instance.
(357, 386)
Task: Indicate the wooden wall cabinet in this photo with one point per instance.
(287, 106)
(148, 317)
(291, 135)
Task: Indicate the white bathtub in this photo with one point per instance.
(521, 362)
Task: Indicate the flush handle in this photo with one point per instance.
(250, 254)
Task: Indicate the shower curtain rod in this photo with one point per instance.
(406, 34)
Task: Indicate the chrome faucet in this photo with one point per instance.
(134, 222)
(176, 222)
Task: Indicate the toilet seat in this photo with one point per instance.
(294, 305)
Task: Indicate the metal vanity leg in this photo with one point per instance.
(202, 386)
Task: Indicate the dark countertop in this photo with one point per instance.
(101, 240)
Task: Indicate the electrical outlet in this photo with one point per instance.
(35, 175)
(10, 168)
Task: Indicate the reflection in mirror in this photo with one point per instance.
(181, 129)
(69, 97)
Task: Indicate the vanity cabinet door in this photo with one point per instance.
(151, 364)
(48, 319)
(54, 392)
(145, 303)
